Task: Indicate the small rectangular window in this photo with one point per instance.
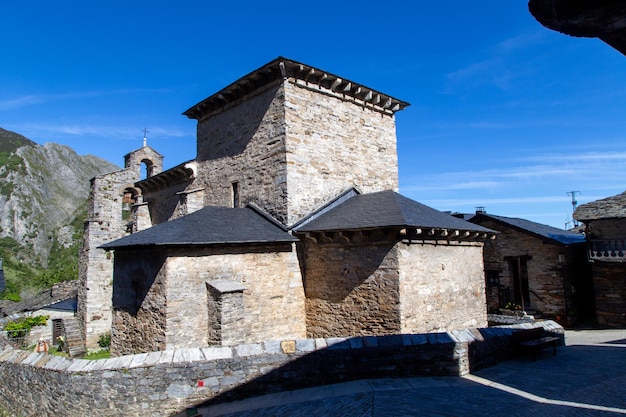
(493, 278)
(235, 194)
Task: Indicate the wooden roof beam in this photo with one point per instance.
(309, 74)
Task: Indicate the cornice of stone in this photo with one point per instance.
(300, 74)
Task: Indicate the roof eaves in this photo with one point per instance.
(167, 245)
(283, 68)
(550, 238)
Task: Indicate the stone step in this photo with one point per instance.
(73, 337)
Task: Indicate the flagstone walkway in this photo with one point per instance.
(586, 378)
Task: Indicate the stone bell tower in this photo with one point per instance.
(112, 200)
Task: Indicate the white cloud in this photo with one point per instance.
(580, 157)
(18, 102)
(469, 185)
(109, 131)
(33, 99)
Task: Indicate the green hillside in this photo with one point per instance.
(9, 142)
(43, 206)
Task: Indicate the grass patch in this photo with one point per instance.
(101, 354)
(6, 413)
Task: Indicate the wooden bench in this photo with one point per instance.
(533, 340)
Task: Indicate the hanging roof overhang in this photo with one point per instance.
(607, 208)
(282, 68)
(541, 231)
(389, 210)
(209, 226)
(179, 174)
(603, 19)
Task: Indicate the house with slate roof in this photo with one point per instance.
(287, 225)
(605, 228)
(2, 280)
(538, 267)
(57, 302)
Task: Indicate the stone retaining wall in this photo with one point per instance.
(169, 382)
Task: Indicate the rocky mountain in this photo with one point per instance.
(43, 194)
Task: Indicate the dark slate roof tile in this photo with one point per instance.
(385, 209)
(48, 297)
(209, 226)
(607, 208)
(562, 236)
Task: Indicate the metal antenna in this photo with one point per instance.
(574, 204)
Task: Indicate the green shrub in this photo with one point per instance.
(105, 341)
(11, 296)
(22, 326)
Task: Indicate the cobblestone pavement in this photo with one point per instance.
(586, 378)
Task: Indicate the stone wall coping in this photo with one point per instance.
(225, 286)
(276, 347)
(167, 382)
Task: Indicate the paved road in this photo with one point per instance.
(586, 378)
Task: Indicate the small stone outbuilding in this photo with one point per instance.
(2, 280)
(218, 276)
(605, 228)
(58, 303)
(541, 268)
(381, 263)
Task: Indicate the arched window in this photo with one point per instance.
(147, 168)
(128, 200)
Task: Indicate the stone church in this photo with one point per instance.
(286, 225)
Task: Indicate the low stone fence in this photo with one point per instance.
(170, 382)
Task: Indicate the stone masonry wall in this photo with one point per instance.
(548, 278)
(146, 156)
(291, 149)
(609, 278)
(610, 293)
(245, 144)
(442, 286)
(273, 299)
(164, 300)
(606, 229)
(333, 145)
(104, 224)
(165, 203)
(352, 289)
(179, 381)
(139, 297)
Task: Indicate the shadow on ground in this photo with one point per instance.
(581, 380)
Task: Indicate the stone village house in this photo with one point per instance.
(2, 280)
(605, 228)
(57, 302)
(287, 225)
(538, 267)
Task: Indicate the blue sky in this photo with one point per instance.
(504, 113)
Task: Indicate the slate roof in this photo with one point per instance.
(543, 231)
(209, 226)
(282, 68)
(49, 297)
(385, 209)
(607, 208)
